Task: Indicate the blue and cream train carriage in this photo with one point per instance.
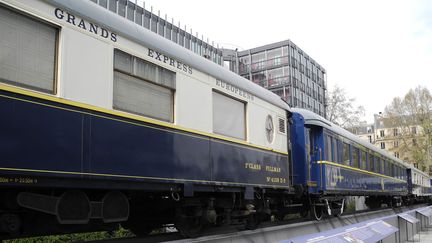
(330, 163)
(104, 121)
(419, 185)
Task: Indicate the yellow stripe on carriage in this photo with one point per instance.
(121, 114)
(221, 183)
(359, 170)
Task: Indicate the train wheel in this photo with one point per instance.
(191, 226)
(189, 221)
(253, 221)
(316, 212)
(304, 213)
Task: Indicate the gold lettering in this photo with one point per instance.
(273, 169)
(252, 166)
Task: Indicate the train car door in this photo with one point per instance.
(309, 149)
(314, 148)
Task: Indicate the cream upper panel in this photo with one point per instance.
(85, 74)
(193, 99)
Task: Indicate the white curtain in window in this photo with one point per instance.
(138, 96)
(228, 116)
(27, 51)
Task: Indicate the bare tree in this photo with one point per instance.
(412, 116)
(342, 110)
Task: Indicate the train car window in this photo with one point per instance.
(363, 162)
(335, 150)
(385, 167)
(27, 51)
(355, 157)
(371, 166)
(346, 154)
(328, 144)
(229, 116)
(142, 87)
(377, 165)
(381, 165)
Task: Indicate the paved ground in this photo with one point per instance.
(425, 237)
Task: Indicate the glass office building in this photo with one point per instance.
(284, 69)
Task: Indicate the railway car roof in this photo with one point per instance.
(147, 38)
(315, 119)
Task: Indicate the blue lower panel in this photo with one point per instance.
(127, 149)
(246, 165)
(39, 137)
(338, 178)
(44, 137)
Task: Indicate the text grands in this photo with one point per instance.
(81, 23)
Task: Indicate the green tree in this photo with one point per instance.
(412, 116)
(341, 109)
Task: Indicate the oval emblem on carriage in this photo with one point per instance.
(269, 127)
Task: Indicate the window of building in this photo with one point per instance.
(414, 141)
(395, 144)
(258, 57)
(130, 12)
(370, 138)
(396, 154)
(154, 23)
(27, 51)
(228, 116)
(382, 133)
(174, 34)
(395, 132)
(161, 27)
(383, 145)
(346, 154)
(414, 130)
(274, 56)
(142, 87)
(138, 15)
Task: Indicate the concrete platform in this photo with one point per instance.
(425, 237)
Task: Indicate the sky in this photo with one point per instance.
(374, 49)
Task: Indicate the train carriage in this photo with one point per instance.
(331, 163)
(419, 185)
(106, 122)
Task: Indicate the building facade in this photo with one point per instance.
(284, 69)
(364, 131)
(403, 141)
(147, 19)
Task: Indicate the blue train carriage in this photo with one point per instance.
(330, 163)
(419, 186)
(105, 122)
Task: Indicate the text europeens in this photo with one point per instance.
(81, 23)
(234, 89)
